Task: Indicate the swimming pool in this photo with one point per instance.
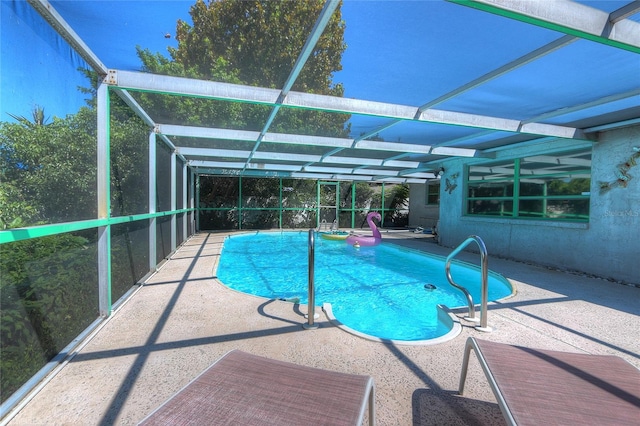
(380, 291)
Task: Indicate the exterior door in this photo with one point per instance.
(328, 197)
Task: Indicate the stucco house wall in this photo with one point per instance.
(608, 246)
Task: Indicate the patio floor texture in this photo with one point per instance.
(183, 319)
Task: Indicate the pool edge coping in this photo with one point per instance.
(456, 329)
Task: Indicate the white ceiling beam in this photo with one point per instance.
(193, 87)
(306, 140)
(315, 172)
(279, 156)
(206, 132)
(417, 175)
(550, 159)
(302, 175)
(431, 171)
(283, 138)
(570, 18)
(257, 95)
(448, 151)
(390, 179)
(213, 152)
(393, 147)
(328, 170)
(501, 124)
(241, 165)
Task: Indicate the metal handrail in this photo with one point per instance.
(484, 262)
(311, 304)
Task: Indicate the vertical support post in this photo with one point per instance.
(185, 216)
(382, 206)
(197, 212)
(318, 201)
(353, 205)
(484, 296)
(174, 218)
(240, 202)
(337, 205)
(515, 210)
(192, 202)
(280, 206)
(104, 200)
(311, 303)
(152, 202)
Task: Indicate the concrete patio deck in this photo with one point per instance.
(183, 319)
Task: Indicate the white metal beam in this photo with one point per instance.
(307, 158)
(257, 95)
(568, 17)
(284, 138)
(314, 172)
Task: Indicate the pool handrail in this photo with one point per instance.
(484, 262)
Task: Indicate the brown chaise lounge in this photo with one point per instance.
(245, 389)
(543, 387)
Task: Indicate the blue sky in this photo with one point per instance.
(38, 68)
(394, 52)
(32, 64)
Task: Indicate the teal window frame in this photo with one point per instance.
(432, 191)
(552, 187)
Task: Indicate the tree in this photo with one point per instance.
(53, 166)
(397, 205)
(37, 115)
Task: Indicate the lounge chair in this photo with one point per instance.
(245, 389)
(543, 387)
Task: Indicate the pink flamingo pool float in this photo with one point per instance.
(363, 240)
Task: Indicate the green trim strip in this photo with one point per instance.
(20, 234)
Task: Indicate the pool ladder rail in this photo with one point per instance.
(485, 282)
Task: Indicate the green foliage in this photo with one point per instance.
(575, 186)
(129, 161)
(48, 171)
(365, 196)
(48, 295)
(258, 43)
(398, 205)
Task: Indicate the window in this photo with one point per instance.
(433, 193)
(550, 187)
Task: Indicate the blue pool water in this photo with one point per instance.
(379, 291)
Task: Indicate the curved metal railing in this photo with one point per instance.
(485, 285)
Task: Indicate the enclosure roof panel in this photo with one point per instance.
(424, 82)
